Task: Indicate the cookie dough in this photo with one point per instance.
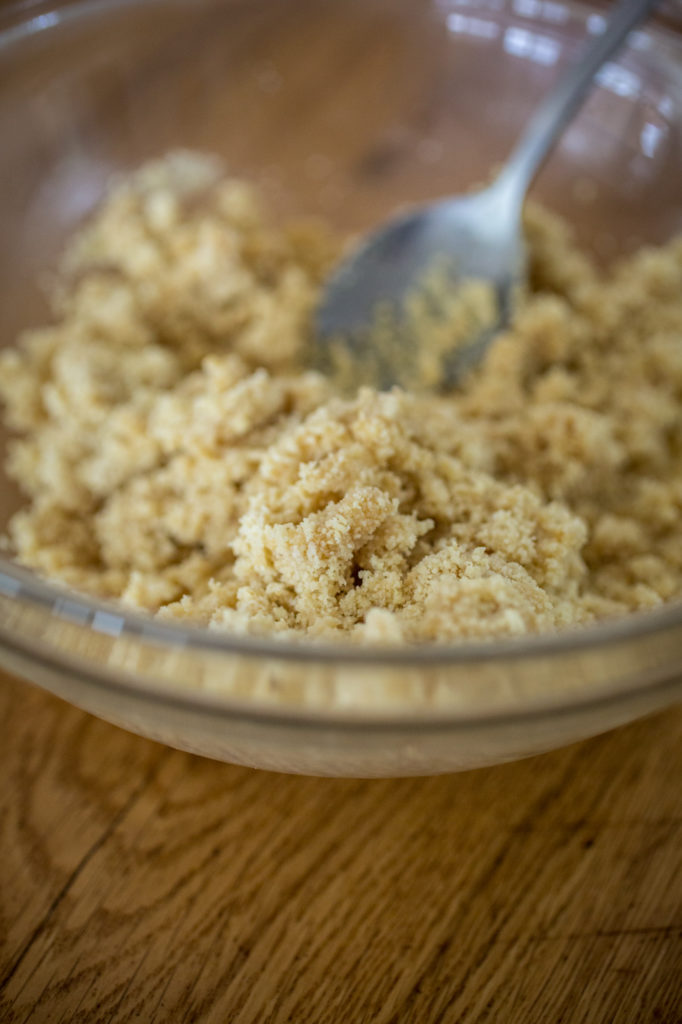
(178, 456)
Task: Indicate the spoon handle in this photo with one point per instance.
(557, 110)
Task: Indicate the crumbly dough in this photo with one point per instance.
(179, 458)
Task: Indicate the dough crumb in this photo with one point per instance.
(178, 456)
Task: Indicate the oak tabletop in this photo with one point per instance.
(141, 883)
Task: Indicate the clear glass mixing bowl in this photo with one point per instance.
(344, 108)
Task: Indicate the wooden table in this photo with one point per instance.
(142, 884)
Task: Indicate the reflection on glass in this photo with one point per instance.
(619, 80)
(650, 139)
(464, 25)
(543, 10)
(531, 46)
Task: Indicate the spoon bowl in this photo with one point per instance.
(472, 237)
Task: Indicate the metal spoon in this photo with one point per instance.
(479, 234)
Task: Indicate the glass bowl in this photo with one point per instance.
(344, 108)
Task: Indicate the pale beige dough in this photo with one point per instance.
(178, 457)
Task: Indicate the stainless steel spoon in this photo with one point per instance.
(478, 234)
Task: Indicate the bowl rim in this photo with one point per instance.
(112, 619)
(405, 718)
(30, 17)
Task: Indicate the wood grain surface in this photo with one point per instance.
(142, 884)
